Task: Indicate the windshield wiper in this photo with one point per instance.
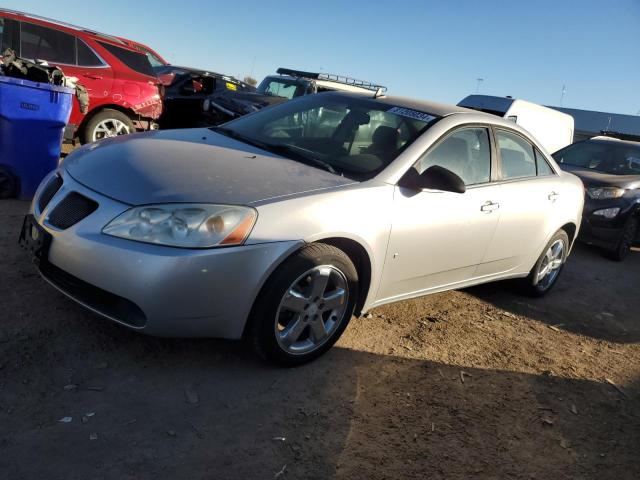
(301, 154)
(290, 151)
(238, 136)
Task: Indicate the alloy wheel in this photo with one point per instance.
(111, 127)
(551, 263)
(311, 309)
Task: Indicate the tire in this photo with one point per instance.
(290, 310)
(627, 239)
(533, 285)
(116, 122)
(8, 184)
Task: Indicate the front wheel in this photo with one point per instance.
(627, 239)
(305, 305)
(545, 272)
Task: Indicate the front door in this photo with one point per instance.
(439, 238)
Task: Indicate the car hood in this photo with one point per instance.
(195, 165)
(593, 178)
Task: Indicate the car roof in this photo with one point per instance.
(433, 108)
(602, 139)
(68, 26)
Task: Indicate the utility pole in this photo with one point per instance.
(478, 82)
(564, 90)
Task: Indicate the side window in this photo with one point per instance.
(9, 35)
(466, 152)
(86, 56)
(543, 166)
(134, 60)
(517, 156)
(47, 44)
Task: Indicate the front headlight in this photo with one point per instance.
(608, 212)
(184, 225)
(604, 193)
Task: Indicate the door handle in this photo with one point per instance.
(553, 196)
(490, 207)
(93, 76)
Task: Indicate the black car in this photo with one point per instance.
(610, 171)
(185, 89)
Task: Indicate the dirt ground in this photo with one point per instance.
(480, 383)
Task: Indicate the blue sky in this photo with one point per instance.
(423, 49)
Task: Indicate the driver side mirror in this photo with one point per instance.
(433, 178)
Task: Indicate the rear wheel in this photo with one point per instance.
(305, 305)
(106, 124)
(627, 239)
(545, 272)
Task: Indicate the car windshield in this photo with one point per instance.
(603, 157)
(347, 135)
(282, 87)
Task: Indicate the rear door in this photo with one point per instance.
(92, 72)
(528, 190)
(439, 238)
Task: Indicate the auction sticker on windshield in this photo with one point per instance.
(407, 112)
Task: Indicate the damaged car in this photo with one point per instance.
(223, 106)
(122, 86)
(279, 226)
(186, 89)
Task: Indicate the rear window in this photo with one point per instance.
(86, 56)
(134, 60)
(282, 87)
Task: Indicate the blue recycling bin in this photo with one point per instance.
(32, 120)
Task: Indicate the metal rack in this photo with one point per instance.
(333, 78)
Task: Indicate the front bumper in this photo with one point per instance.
(600, 231)
(157, 290)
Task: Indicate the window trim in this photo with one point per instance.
(498, 128)
(492, 151)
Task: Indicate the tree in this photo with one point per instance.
(250, 80)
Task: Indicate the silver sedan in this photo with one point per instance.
(280, 226)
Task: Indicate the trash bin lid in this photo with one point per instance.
(37, 85)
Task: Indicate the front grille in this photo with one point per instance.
(49, 191)
(106, 303)
(71, 209)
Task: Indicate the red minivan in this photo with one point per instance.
(123, 89)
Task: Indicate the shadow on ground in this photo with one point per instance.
(587, 280)
(204, 409)
(349, 415)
